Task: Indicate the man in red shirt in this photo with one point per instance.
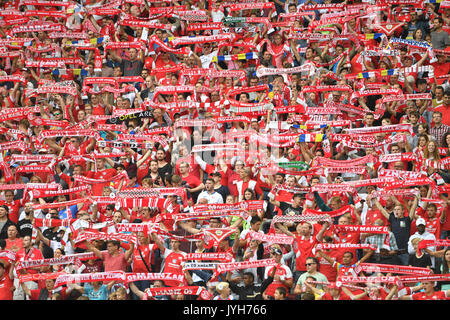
(441, 68)
(173, 258)
(303, 245)
(142, 257)
(28, 252)
(101, 173)
(74, 147)
(113, 259)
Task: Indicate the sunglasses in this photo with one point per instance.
(56, 114)
(309, 264)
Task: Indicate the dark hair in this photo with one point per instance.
(351, 253)
(421, 81)
(252, 191)
(216, 174)
(120, 166)
(282, 291)
(415, 113)
(255, 219)
(316, 261)
(307, 296)
(250, 275)
(4, 206)
(444, 140)
(114, 242)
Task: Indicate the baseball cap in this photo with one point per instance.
(421, 221)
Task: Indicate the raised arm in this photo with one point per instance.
(379, 206)
(93, 249)
(327, 257)
(158, 242)
(129, 252)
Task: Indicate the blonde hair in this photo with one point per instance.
(221, 286)
(122, 291)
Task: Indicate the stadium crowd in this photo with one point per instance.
(219, 150)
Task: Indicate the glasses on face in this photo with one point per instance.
(56, 114)
(309, 264)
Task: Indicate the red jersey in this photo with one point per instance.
(303, 249)
(172, 264)
(437, 295)
(146, 251)
(326, 268)
(192, 181)
(97, 188)
(32, 254)
(281, 270)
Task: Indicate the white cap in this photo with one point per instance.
(421, 221)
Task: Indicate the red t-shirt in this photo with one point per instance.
(97, 188)
(172, 264)
(303, 249)
(441, 70)
(114, 263)
(282, 270)
(138, 264)
(32, 254)
(373, 215)
(326, 268)
(192, 181)
(437, 295)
